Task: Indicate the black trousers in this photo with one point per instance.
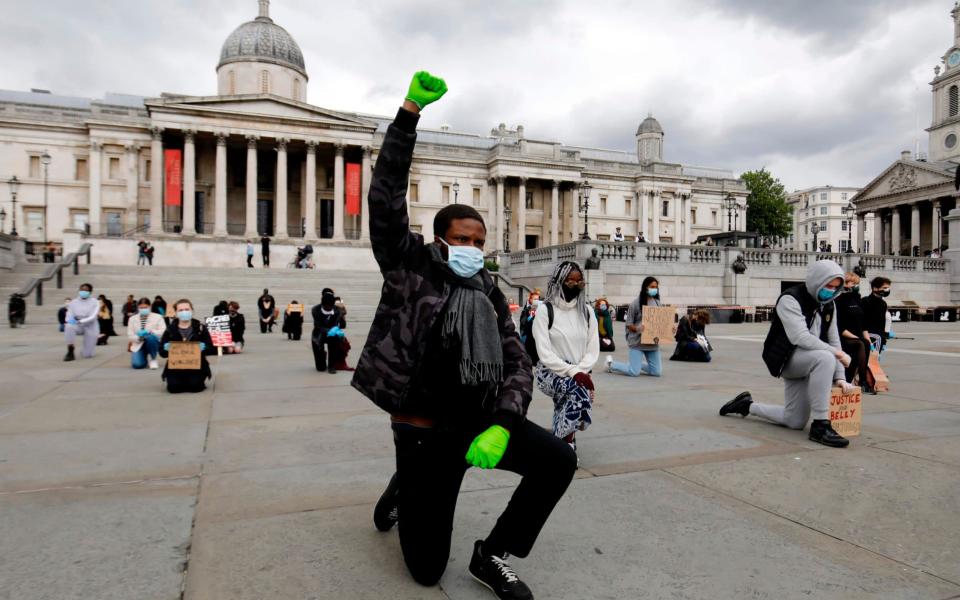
(250, 260)
(859, 351)
(326, 349)
(430, 467)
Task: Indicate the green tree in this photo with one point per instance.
(767, 210)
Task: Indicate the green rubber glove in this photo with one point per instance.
(487, 448)
(425, 89)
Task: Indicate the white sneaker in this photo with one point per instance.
(154, 364)
(609, 362)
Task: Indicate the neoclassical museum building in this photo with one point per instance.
(257, 159)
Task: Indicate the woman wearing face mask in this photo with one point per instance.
(238, 325)
(186, 329)
(692, 342)
(105, 320)
(601, 309)
(568, 350)
(526, 315)
(82, 313)
(854, 338)
(644, 358)
(144, 330)
(875, 309)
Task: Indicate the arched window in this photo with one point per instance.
(232, 83)
(296, 89)
(953, 102)
(264, 82)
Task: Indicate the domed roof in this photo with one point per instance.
(650, 125)
(262, 40)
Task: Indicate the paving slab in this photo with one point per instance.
(922, 422)
(118, 542)
(941, 449)
(892, 504)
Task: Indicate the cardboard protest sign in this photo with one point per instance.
(659, 324)
(219, 328)
(845, 413)
(882, 381)
(292, 308)
(183, 356)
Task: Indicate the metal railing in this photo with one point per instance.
(55, 270)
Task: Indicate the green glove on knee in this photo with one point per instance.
(487, 448)
(425, 89)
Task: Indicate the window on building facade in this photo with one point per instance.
(445, 194)
(843, 245)
(713, 217)
(80, 170)
(78, 219)
(414, 194)
(476, 196)
(146, 170)
(627, 205)
(34, 166)
(34, 219)
(843, 225)
(823, 196)
(528, 201)
(114, 168)
(144, 218)
(805, 230)
(843, 196)
(264, 82)
(866, 246)
(823, 210)
(693, 216)
(665, 208)
(823, 226)
(953, 101)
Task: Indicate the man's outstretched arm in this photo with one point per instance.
(390, 233)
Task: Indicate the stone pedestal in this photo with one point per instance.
(596, 282)
(953, 253)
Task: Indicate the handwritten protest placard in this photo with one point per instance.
(659, 324)
(292, 308)
(219, 328)
(882, 382)
(183, 356)
(845, 413)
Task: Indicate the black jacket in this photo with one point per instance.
(237, 326)
(415, 293)
(875, 314)
(777, 347)
(850, 316)
(190, 378)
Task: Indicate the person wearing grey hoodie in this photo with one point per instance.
(803, 347)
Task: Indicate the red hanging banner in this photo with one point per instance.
(353, 188)
(173, 173)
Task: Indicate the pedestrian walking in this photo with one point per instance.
(803, 347)
(644, 359)
(265, 250)
(144, 332)
(250, 253)
(148, 252)
(267, 308)
(141, 253)
(81, 321)
(186, 329)
(443, 331)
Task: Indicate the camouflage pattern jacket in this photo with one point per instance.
(415, 293)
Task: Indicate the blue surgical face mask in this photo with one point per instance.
(184, 315)
(84, 294)
(465, 261)
(653, 292)
(826, 295)
(144, 311)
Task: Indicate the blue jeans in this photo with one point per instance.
(641, 362)
(150, 346)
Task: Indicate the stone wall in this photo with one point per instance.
(703, 275)
(11, 252)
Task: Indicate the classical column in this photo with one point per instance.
(500, 216)
(366, 173)
(895, 231)
(309, 200)
(156, 180)
(644, 213)
(936, 239)
(133, 185)
(250, 230)
(188, 223)
(914, 226)
(220, 188)
(554, 216)
(656, 217)
(687, 219)
(338, 193)
(280, 193)
(861, 232)
(93, 210)
(522, 215)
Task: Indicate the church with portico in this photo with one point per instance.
(258, 159)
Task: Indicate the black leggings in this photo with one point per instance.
(859, 351)
(430, 469)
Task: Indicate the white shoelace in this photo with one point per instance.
(505, 569)
(393, 514)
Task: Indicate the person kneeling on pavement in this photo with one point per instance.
(803, 347)
(691, 337)
(443, 358)
(186, 329)
(144, 330)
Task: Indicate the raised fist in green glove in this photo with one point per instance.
(487, 448)
(425, 89)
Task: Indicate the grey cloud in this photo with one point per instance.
(460, 23)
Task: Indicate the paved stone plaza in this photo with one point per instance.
(263, 486)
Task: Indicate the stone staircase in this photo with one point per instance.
(205, 287)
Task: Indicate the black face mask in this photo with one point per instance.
(883, 293)
(570, 294)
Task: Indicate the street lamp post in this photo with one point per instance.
(815, 229)
(850, 211)
(585, 191)
(939, 231)
(45, 160)
(14, 184)
(506, 228)
(3, 220)
(729, 202)
(456, 191)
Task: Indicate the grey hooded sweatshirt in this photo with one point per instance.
(819, 274)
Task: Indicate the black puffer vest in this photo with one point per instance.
(777, 348)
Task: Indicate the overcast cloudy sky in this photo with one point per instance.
(819, 91)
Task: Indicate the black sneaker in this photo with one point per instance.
(331, 369)
(69, 356)
(739, 405)
(385, 512)
(495, 573)
(821, 431)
